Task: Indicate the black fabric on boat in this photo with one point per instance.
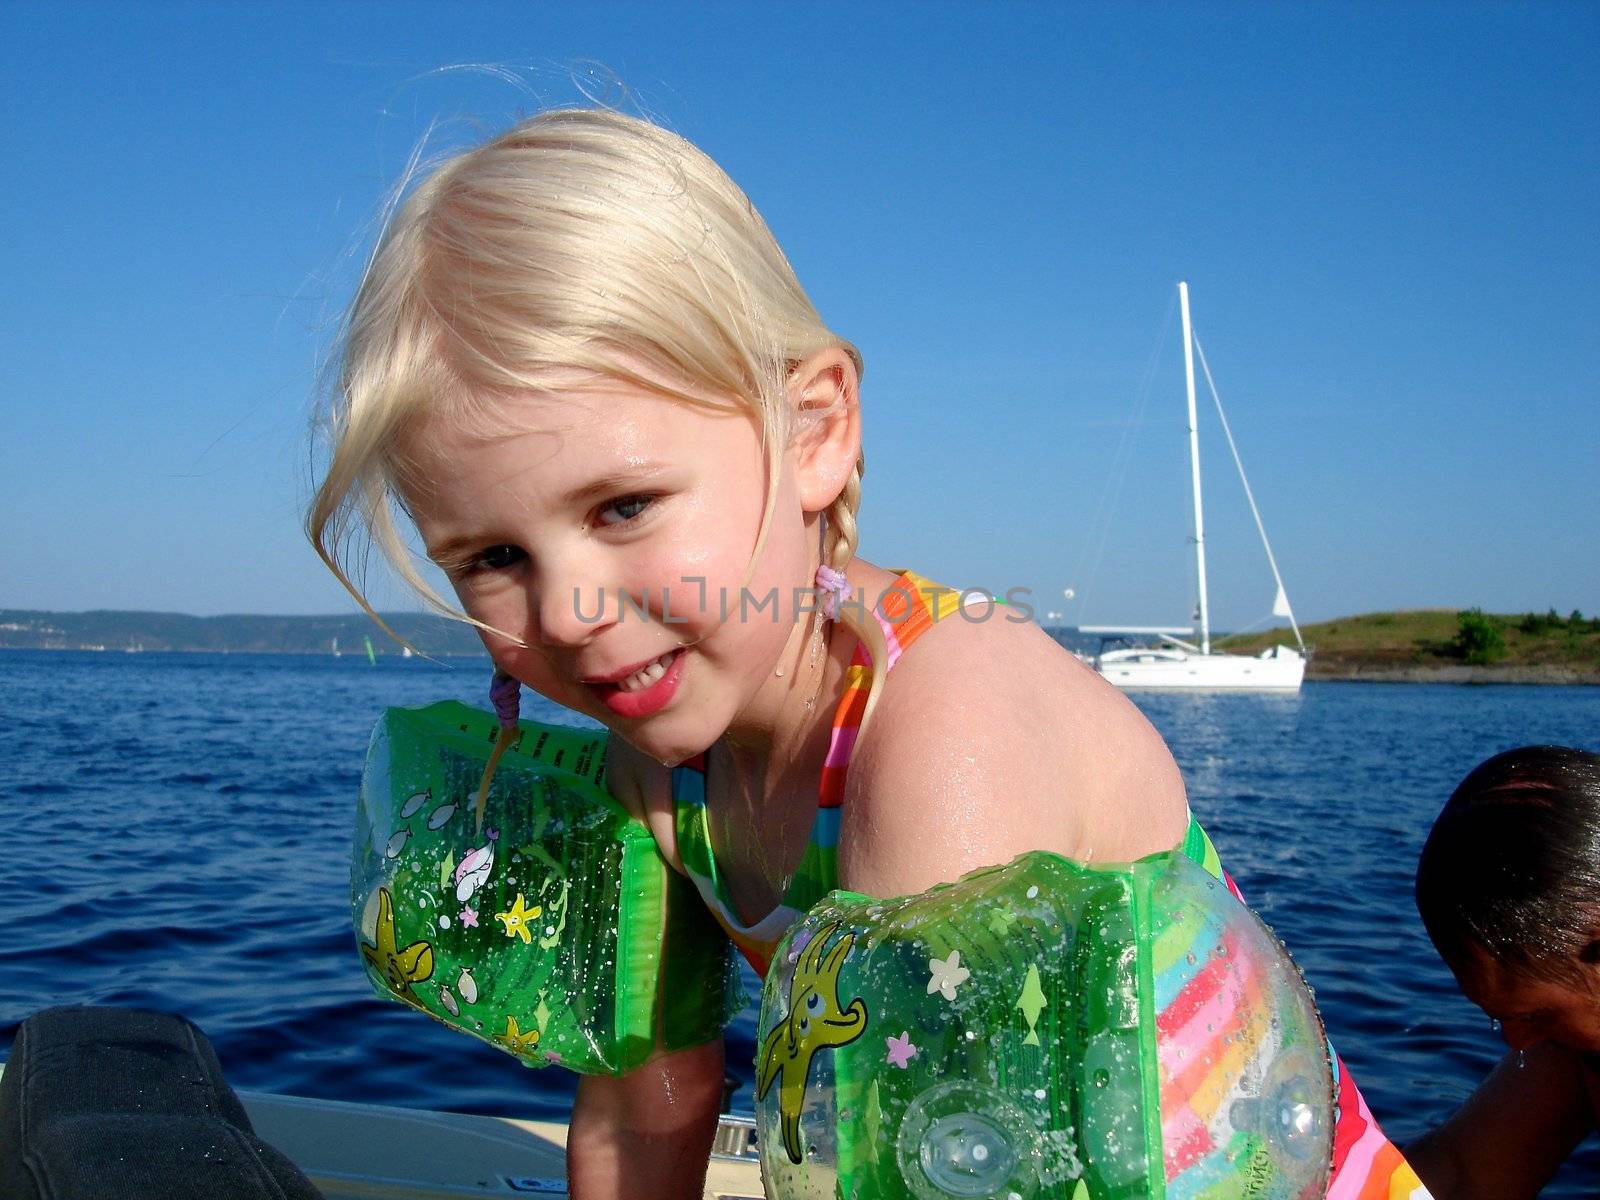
(121, 1104)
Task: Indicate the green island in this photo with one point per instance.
(1444, 646)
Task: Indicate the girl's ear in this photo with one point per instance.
(825, 398)
(1585, 964)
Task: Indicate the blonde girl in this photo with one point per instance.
(581, 366)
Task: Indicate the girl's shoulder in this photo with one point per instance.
(990, 739)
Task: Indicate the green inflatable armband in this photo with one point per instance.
(558, 932)
(1043, 1029)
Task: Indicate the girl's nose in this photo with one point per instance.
(571, 613)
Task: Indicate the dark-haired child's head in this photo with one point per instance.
(1509, 888)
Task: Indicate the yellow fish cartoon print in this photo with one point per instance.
(816, 1019)
(397, 968)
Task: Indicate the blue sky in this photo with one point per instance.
(1387, 215)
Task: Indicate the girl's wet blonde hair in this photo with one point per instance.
(578, 240)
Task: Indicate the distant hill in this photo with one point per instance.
(105, 629)
(1445, 644)
(1423, 644)
(22, 629)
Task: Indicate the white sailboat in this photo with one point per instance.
(1176, 662)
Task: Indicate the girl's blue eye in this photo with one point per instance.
(625, 510)
(498, 558)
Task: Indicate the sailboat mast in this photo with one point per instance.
(1194, 470)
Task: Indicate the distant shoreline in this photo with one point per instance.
(113, 632)
(355, 652)
(1437, 646)
(1460, 675)
(1344, 672)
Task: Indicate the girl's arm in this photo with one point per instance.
(647, 1133)
(1512, 1134)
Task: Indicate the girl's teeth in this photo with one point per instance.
(644, 677)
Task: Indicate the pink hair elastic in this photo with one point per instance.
(835, 589)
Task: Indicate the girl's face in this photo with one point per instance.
(610, 530)
(1532, 1009)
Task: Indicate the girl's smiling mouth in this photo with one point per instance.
(641, 690)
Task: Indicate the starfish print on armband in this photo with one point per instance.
(901, 1050)
(945, 975)
(516, 1041)
(516, 921)
(1001, 922)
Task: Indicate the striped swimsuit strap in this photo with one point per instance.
(910, 607)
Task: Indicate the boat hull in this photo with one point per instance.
(1169, 670)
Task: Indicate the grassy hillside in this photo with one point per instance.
(1441, 638)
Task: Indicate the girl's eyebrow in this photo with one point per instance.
(453, 551)
(634, 474)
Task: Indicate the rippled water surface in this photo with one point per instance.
(177, 830)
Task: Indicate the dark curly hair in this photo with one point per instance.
(1512, 866)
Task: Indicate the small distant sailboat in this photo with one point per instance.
(336, 647)
(1177, 663)
(372, 658)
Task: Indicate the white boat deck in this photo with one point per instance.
(373, 1152)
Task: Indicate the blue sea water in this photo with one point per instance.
(176, 831)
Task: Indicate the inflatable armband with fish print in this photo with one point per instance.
(557, 932)
(1043, 1029)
